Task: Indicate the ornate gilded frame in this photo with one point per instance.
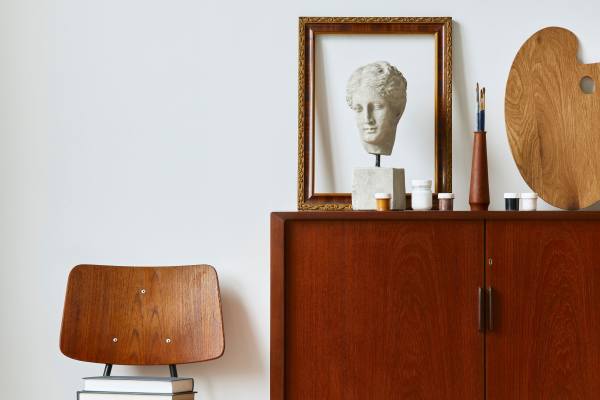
(309, 28)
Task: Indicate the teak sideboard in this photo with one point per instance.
(435, 305)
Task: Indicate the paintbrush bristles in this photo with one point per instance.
(480, 115)
(482, 99)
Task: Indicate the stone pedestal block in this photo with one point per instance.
(368, 181)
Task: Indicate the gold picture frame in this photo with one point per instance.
(309, 29)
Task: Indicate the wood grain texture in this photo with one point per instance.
(479, 188)
(437, 215)
(552, 125)
(546, 338)
(376, 309)
(142, 307)
(277, 306)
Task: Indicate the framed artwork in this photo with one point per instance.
(330, 49)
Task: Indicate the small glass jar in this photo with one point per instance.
(528, 202)
(421, 194)
(446, 201)
(382, 201)
(511, 201)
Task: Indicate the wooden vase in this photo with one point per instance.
(479, 193)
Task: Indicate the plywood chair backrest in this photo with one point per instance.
(142, 315)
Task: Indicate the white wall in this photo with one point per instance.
(164, 132)
(338, 148)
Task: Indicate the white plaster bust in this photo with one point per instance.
(377, 94)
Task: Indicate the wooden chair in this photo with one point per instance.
(142, 316)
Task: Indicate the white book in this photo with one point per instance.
(88, 395)
(138, 384)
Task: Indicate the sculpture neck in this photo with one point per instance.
(378, 149)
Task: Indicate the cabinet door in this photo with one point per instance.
(545, 338)
(381, 310)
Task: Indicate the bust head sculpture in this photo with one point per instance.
(377, 94)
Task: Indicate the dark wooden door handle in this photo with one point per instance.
(481, 308)
(490, 309)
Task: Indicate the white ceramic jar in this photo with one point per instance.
(421, 194)
(528, 202)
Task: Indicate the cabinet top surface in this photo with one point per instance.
(437, 215)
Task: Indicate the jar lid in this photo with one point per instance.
(421, 182)
(383, 195)
(511, 195)
(529, 195)
(445, 195)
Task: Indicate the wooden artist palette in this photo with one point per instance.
(552, 113)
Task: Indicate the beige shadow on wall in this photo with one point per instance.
(241, 358)
(242, 354)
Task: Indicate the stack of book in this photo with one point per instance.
(136, 388)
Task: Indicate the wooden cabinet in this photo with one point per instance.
(545, 339)
(397, 305)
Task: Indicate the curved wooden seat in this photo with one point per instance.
(142, 315)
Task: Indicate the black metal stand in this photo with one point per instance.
(378, 160)
(172, 370)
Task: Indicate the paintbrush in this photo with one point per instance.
(483, 110)
(478, 104)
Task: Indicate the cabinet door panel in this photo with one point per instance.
(546, 338)
(382, 310)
